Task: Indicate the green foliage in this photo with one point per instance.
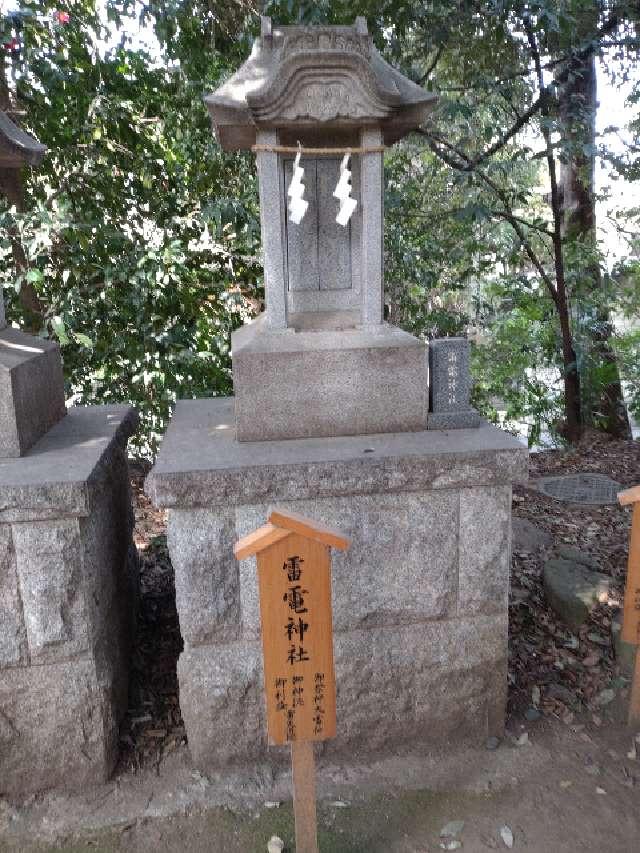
(141, 236)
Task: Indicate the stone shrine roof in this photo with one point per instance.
(311, 76)
(18, 147)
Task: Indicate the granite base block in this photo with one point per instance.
(428, 683)
(468, 419)
(419, 599)
(327, 383)
(68, 602)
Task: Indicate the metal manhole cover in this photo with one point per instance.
(581, 488)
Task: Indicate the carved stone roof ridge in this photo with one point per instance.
(306, 75)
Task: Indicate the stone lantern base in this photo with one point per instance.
(68, 601)
(419, 599)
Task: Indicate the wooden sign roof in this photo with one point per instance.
(283, 523)
(629, 496)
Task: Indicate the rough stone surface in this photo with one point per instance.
(222, 704)
(389, 575)
(419, 599)
(67, 603)
(207, 581)
(441, 680)
(52, 722)
(31, 390)
(50, 568)
(325, 383)
(13, 640)
(566, 552)
(454, 420)
(572, 589)
(485, 550)
(528, 536)
(201, 465)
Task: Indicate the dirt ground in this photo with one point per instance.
(567, 789)
(565, 778)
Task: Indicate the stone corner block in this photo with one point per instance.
(485, 549)
(52, 728)
(31, 390)
(207, 580)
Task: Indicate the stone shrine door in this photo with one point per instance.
(322, 257)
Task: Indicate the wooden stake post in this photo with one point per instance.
(631, 611)
(294, 577)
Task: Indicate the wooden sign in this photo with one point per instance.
(631, 613)
(294, 578)
(631, 610)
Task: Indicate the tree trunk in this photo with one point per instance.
(602, 399)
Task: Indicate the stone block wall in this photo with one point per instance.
(68, 601)
(419, 614)
(419, 599)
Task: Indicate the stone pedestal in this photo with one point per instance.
(327, 382)
(68, 598)
(419, 600)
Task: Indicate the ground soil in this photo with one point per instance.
(565, 778)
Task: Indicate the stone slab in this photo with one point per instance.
(53, 479)
(401, 566)
(52, 728)
(201, 464)
(327, 383)
(467, 419)
(441, 680)
(31, 390)
(449, 375)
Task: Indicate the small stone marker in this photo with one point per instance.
(294, 577)
(450, 385)
(631, 610)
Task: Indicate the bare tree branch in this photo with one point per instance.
(457, 159)
(432, 65)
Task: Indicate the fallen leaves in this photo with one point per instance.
(551, 669)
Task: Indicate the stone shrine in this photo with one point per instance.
(329, 420)
(320, 361)
(67, 568)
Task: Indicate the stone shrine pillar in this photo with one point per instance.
(330, 420)
(68, 572)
